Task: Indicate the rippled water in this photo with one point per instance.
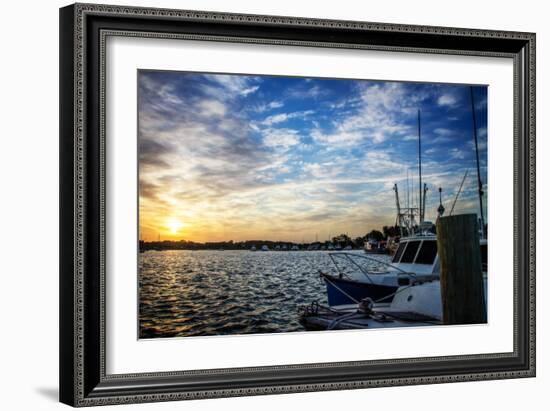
(192, 293)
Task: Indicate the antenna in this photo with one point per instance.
(479, 183)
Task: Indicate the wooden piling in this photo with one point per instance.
(462, 291)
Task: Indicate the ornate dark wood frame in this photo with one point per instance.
(83, 30)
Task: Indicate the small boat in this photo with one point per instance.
(295, 248)
(362, 276)
(265, 248)
(253, 248)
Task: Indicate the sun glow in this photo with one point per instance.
(174, 226)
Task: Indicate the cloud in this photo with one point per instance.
(282, 117)
(380, 162)
(313, 92)
(443, 131)
(481, 143)
(212, 108)
(280, 137)
(447, 100)
(268, 106)
(457, 153)
(249, 90)
(217, 153)
(232, 86)
(343, 138)
(482, 132)
(383, 113)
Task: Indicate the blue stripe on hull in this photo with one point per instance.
(354, 289)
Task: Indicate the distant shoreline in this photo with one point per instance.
(245, 245)
(339, 242)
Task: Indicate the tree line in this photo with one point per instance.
(343, 240)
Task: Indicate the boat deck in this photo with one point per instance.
(349, 318)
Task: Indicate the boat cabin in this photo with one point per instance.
(419, 254)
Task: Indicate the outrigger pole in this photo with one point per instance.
(479, 183)
(399, 218)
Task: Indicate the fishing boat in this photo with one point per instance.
(414, 261)
(361, 276)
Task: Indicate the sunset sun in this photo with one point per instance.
(174, 226)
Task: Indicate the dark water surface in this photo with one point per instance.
(192, 293)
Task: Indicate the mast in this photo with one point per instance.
(479, 183)
(424, 201)
(408, 203)
(420, 173)
(399, 217)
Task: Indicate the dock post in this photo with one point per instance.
(462, 294)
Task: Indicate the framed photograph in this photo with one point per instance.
(261, 204)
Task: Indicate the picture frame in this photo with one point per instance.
(84, 29)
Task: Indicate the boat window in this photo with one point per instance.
(427, 252)
(484, 257)
(410, 252)
(399, 252)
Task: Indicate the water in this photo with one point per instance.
(198, 293)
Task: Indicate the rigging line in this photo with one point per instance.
(458, 192)
(339, 289)
(399, 290)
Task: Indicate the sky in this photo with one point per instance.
(244, 157)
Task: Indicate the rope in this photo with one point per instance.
(338, 320)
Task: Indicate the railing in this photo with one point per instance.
(350, 258)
